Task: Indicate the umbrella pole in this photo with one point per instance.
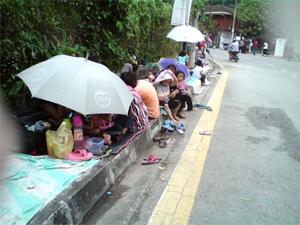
(184, 46)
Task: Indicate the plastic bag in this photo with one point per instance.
(60, 142)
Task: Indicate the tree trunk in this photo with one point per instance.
(192, 53)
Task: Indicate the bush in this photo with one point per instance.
(33, 31)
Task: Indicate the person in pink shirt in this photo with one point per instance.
(183, 95)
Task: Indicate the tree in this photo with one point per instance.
(110, 31)
(197, 7)
(229, 3)
(250, 16)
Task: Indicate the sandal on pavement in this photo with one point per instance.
(151, 159)
(180, 131)
(168, 127)
(181, 126)
(160, 137)
(163, 144)
(208, 108)
(199, 106)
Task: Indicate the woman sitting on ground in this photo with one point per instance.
(147, 92)
(55, 112)
(165, 97)
(137, 111)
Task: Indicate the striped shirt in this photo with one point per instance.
(138, 112)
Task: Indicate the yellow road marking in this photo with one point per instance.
(176, 203)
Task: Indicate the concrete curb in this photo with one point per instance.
(70, 206)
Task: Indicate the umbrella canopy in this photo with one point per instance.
(164, 75)
(185, 33)
(165, 62)
(183, 69)
(79, 84)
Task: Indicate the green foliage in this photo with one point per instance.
(33, 31)
(207, 24)
(198, 5)
(250, 15)
(229, 3)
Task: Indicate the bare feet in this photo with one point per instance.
(124, 131)
(176, 117)
(180, 116)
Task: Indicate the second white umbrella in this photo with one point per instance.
(186, 33)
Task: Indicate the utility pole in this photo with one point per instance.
(233, 22)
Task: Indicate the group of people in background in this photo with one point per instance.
(250, 46)
(154, 90)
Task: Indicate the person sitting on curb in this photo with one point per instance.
(138, 111)
(55, 112)
(148, 93)
(183, 95)
(166, 98)
(198, 72)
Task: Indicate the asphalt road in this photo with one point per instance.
(251, 175)
(252, 171)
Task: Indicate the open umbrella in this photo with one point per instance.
(165, 62)
(183, 69)
(79, 84)
(186, 33)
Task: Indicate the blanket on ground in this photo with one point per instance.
(30, 182)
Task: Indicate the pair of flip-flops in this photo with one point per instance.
(151, 159)
(79, 155)
(164, 143)
(160, 137)
(200, 106)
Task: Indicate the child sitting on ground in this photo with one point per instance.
(97, 125)
(108, 126)
(183, 96)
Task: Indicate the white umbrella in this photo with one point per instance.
(79, 84)
(186, 33)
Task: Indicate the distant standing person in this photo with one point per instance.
(265, 49)
(254, 47)
(250, 46)
(183, 58)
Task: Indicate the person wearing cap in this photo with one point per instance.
(167, 98)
